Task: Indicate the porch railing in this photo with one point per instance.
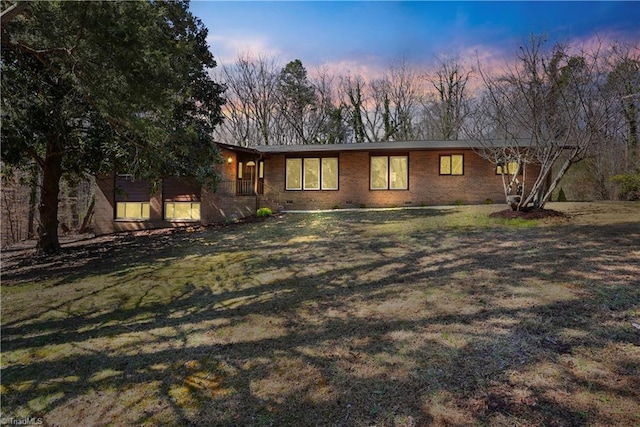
(242, 187)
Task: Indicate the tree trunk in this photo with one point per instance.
(48, 242)
(87, 218)
(33, 198)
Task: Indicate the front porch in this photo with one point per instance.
(241, 187)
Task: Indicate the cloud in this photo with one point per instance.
(226, 49)
(598, 42)
(367, 67)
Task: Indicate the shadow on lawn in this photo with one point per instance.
(333, 354)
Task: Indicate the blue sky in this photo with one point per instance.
(374, 34)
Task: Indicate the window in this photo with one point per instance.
(398, 173)
(452, 164)
(182, 211)
(294, 174)
(379, 173)
(132, 210)
(132, 198)
(312, 174)
(511, 169)
(330, 173)
(181, 198)
(389, 172)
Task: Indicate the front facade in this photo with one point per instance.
(390, 174)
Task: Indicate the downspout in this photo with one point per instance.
(256, 182)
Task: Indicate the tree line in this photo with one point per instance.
(571, 104)
(273, 104)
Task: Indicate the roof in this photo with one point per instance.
(384, 146)
(236, 148)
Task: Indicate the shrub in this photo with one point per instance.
(488, 201)
(232, 219)
(458, 202)
(629, 185)
(561, 196)
(264, 212)
(363, 206)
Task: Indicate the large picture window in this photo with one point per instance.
(389, 172)
(189, 211)
(312, 173)
(452, 164)
(132, 210)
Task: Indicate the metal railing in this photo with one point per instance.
(242, 187)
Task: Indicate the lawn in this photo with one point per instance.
(438, 316)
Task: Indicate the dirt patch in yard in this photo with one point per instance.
(528, 213)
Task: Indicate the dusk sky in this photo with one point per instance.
(366, 36)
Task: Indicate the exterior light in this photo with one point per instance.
(229, 159)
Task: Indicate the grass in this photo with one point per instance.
(387, 318)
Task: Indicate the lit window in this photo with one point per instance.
(389, 172)
(131, 198)
(452, 165)
(294, 174)
(132, 210)
(398, 173)
(379, 173)
(181, 197)
(512, 169)
(311, 174)
(330, 173)
(189, 211)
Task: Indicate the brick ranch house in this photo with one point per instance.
(317, 176)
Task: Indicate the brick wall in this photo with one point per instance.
(214, 208)
(426, 188)
(426, 185)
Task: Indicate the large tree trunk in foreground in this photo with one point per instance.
(48, 242)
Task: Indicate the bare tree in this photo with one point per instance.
(251, 113)
(405, 98)
(394, 99)
(330, 117)
(552, 100)
(351, 90)
(381, 109)
(447, 108)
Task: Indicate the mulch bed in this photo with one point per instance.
(528, 213)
